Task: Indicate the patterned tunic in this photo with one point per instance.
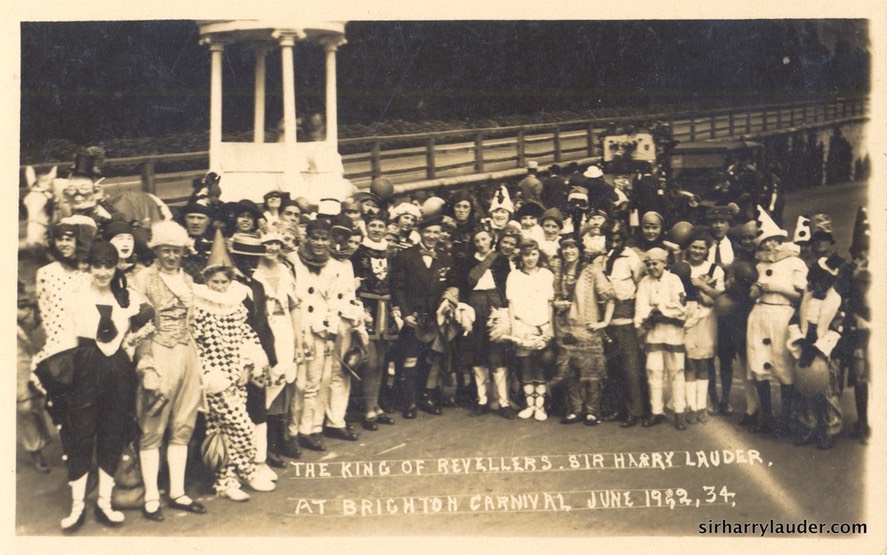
(226, 345)
(371, 262)
(225, 342)
(54, 285)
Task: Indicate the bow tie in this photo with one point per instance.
(202, 244)
(427, 252)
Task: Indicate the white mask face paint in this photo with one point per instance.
(125, 244)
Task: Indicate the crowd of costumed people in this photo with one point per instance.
(236, 336)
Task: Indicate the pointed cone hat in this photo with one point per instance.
(802, 230)
(218, 255)
(767, 228)
(501, 199)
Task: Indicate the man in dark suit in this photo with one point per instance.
(730, 343)
(555, 189)
(418, 283)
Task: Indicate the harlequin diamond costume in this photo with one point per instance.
(228, 349)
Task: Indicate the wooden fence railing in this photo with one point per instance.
(431, 156)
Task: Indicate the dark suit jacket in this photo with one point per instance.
(458, 276)
(415, 288)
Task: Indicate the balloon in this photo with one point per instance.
(680, 234)
(213, 451)
(382, 188)
(744, 272)
(813, 380)
(432, 206)
(682, 270)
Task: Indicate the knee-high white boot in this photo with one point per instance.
(481, 379)
(701, 400)
(78, 508)
(541, 415)
(530, 394)
(261, 436)
(657, 405)
(262, 453)
(678, 392)
(690, 394)
(500, 383)
(106, 488)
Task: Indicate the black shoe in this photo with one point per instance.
(653, 420)
(410, 412)
(826, 442)
(680, 423)
(591, 420)
(369, 424)
(507, 413)
(103, 519)
(313, 442)
(629, 422)
(610, 417)
(195, 507)
(40, 462)
(290, 448)
(430, 406)
(341, 433)
(275, 460)
(726, 409)
(156, 516)
(571, 418)
(479, 410)
(384, 419)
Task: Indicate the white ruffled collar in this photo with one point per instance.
(221, 303)
(375, 245)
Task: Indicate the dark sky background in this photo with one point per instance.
(90, 81)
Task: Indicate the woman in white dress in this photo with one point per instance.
(705, 282)
(530, 292)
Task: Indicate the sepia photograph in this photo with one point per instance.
(376, 278)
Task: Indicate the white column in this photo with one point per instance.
(331, 44)
(259, 112)
(287, 41)
(216, 49)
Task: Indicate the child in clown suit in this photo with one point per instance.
(230, 355)
(660, 312)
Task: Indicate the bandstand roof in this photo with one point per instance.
(241, 30)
